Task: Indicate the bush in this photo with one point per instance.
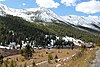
(83, 48)
(1, 59)
(56, 57)
(78, 55)
(17, 59)
(50, 57)
(56, 61)
(27, 52)
(42, 55)
(67, 52)
(0, 65)
(22, 59)
(49, 61)
(12, 63)
(21, 65)
(33, 63)
(21, 52)
(25, 65)
(6, 62)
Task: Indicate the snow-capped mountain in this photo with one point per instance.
(46, 15)
(31, 14)
(90, 22)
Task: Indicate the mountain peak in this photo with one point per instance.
(2, 5)
(32, 14)
(42, 14)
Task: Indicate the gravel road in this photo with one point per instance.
(96, 61)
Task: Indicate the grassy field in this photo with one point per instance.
(83, 60)
(66, 58)
(41, 57)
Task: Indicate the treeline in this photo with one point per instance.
(15, 29)
(67, 30)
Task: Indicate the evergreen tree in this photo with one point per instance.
(1, 59)
(27, 52)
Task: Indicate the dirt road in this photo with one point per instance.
(96, 61)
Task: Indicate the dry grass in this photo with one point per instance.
(42, 55)
(84, 60)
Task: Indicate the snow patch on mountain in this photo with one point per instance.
(46, 15)
(88, 22)
(31, 14)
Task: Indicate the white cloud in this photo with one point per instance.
(69, 2)
(93, 0)
(2, 0)
(47, 3)
(90, 7)
(23, 4)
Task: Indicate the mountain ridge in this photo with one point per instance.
(32, 14)
(90, 23)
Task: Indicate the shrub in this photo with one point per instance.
(27, 52)
(56, 57)
(33, 63)
(25, 65)
(21, 65)
(22, 59)
(17, 58)
(6, 63)
(12, 63)
(83, 48)
(42, 55)
(56, 60)
(1, 59)
(67, 52)
(50, 57)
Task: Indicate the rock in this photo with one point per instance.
(58, 65)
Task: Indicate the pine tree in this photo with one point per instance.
(27, 52)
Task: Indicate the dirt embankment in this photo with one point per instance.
(6, 52)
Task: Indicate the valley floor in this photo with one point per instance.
(41, 57)
(66, 58)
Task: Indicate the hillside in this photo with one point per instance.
(40, 14)
(63, 30)
(16, 29)
(89, 23)
(23, 29)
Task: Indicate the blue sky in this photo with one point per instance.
(60, 7)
